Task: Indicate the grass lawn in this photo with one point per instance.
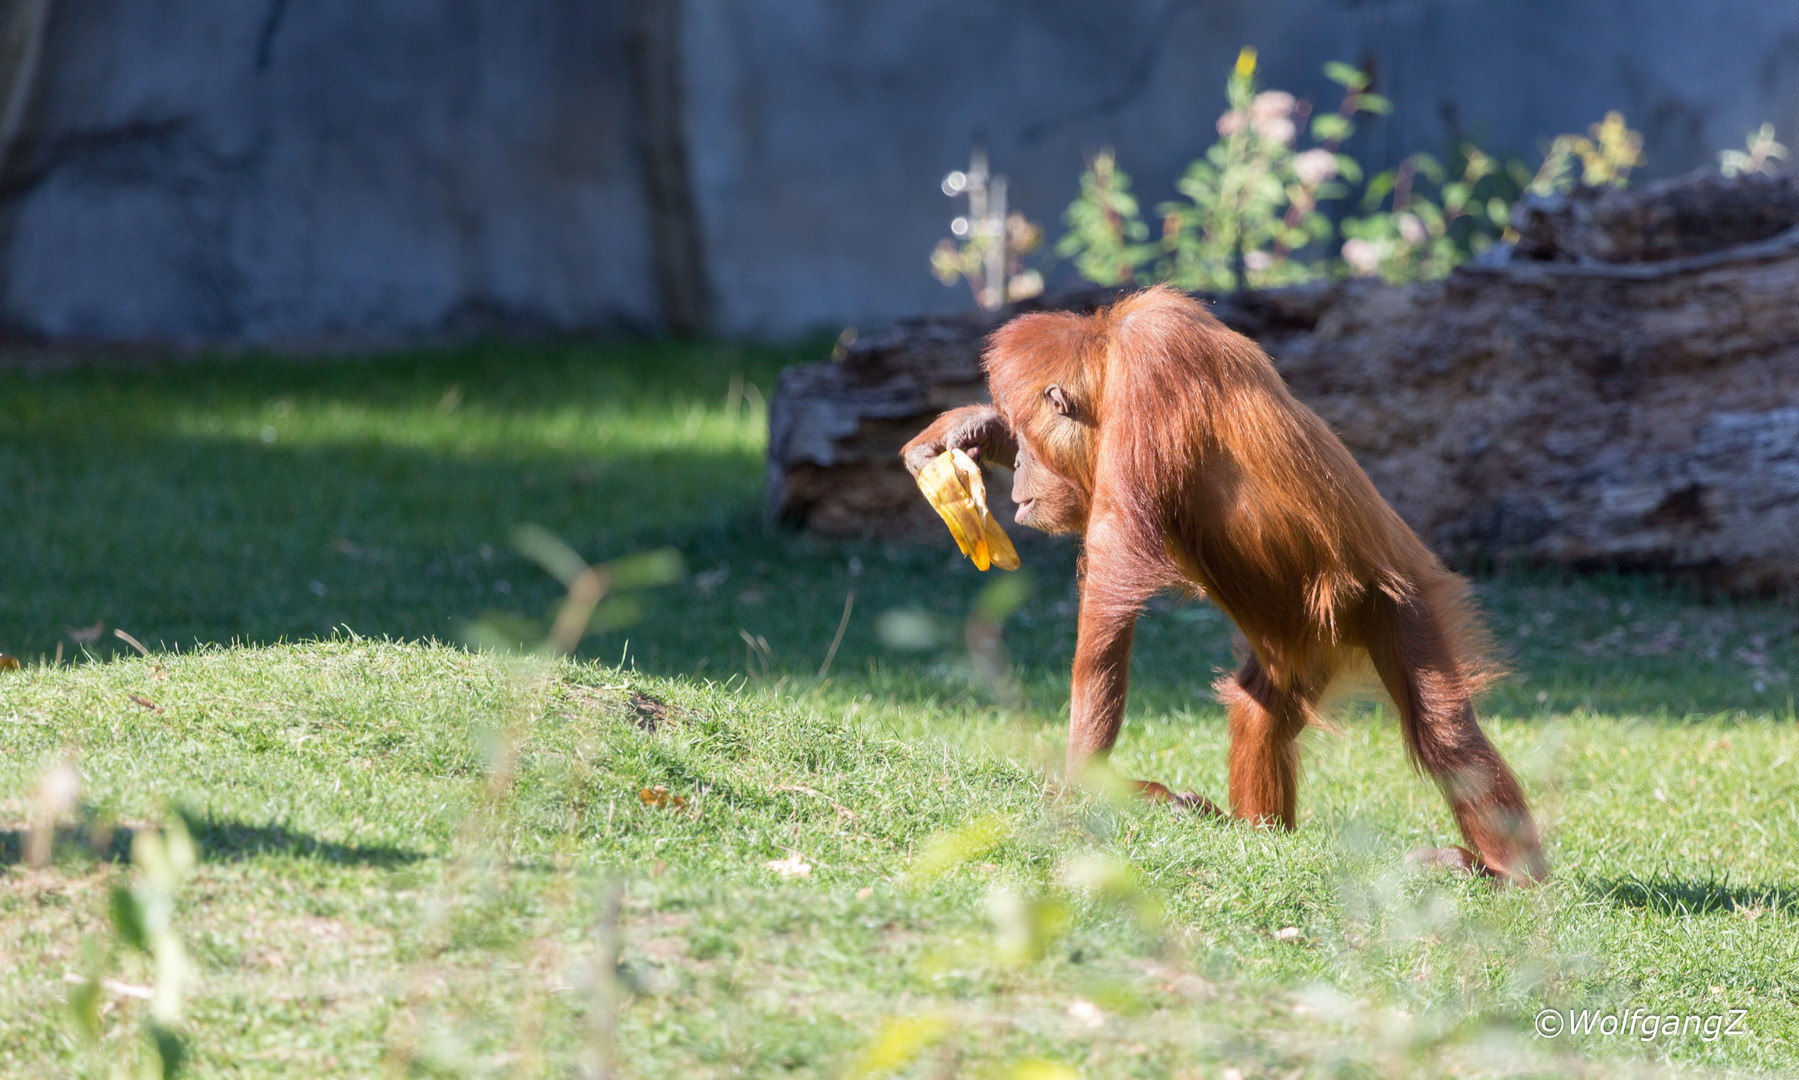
(415, 859)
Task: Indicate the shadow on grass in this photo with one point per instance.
(1676, 896)
(219, 840)
(259, 500)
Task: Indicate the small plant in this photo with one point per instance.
(1031, 920)
(600, 597)
(1418, 238)
(990, 244)
(1760, 152)
(1253, 199)
(1421, 238)
(1253, 202)
(1106, 232)
(1603, 157)
(144, 941)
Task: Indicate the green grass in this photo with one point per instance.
(405, 845)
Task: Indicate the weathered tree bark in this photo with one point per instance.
(1640, 416)
(1670, 219)
(678, 251)
(1591, 414)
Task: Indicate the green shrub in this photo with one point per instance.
(1253, 217)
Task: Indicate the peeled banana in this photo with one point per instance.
(952, 484)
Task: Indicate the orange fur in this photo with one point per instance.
(1185, 462)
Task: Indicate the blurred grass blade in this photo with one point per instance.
(849, 605)
(128, 918)
(584, 594)
(547, 550)
(901, 1039)
(1002, 597)
(947, 850)
(660, 567)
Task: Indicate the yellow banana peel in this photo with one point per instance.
(953, 486)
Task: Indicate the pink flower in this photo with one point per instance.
(1276, 129)
(1363, 257)
(1272, 105)
(1314, 167)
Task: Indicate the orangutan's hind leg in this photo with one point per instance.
(1265, 722)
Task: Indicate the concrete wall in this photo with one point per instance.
(265, 170)
(311, 170)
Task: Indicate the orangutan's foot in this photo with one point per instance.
(1155, 792)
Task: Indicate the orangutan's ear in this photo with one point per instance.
(1059, 400)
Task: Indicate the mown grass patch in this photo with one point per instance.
(406, 846)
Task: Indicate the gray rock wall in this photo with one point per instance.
(300, 171)
(317, 170)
